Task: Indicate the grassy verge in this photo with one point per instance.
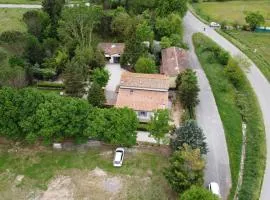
(39, 165)
(227, 99)
(247, 42)
(11, 19)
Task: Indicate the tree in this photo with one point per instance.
(144, 32)
(159, 124)
(165, 42)
(167, 7)
(198, 193)
(53, 8)
(116, 125)
(101, 76)
(166, 26)
(145, 65)
(185, 169)
(78, 23)
(121, 24)
(190, 133)
(36, 22)
(74, 79)
(187, 86)
(34, 51)
(96, 96)
(254, 19)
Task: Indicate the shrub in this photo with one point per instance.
(185, 169)
(11, 36)
(223, 57)
(234, 73)
(101, 76)
(53, 85)
(198, 193)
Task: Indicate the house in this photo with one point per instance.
(174, 61)
(112, 51)
(144, 93)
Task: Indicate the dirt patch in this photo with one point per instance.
(59, 188)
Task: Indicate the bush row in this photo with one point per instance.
(31, 115)
(48, 84)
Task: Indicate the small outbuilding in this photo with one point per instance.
(174, 61)
(112, 51)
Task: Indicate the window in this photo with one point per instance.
(142, 114)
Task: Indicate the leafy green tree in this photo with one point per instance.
(60, 118)
(34, 51)
(165, 42)
(14, 76)
(167, 7)
(74, 79)
(101, 76)
(54, 9)
(185, 169)
(190, 133)
(166, 26)
(144, 32)
(121, 24)
(78, 23)
(254, 19)
(134, 49)
(159, 124)
(198, 193)
(96, 96)
(145, 65)
(188, 89)
(36, 22)
(116, 126)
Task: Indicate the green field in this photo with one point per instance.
(255, 45)
(140, 176)
(232, 11)
(227, 99)
(11, 19)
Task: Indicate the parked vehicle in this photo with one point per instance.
(214, 188)
(118, 157)
(214, 25)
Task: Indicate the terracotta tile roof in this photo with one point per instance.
(142, 100)
(112, 48)
(144, 81)
(174, 61)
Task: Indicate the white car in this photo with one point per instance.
(214, 188)
(118, 157)
(214, 25)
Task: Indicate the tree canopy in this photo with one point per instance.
(254, 19)
(159, 124)
(185, 169)
(145, 65)
(190, 133)
(198, 193)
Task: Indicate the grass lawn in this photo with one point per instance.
(232, 11)
(140, 176)
(225, 96)
(11, 19)
(248, 42)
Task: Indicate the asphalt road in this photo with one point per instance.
(217, 166)
(259, 83)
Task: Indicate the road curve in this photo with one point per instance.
(217, 166)
(259, 83)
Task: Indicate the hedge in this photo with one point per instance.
(48, 84)
(30, 115)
